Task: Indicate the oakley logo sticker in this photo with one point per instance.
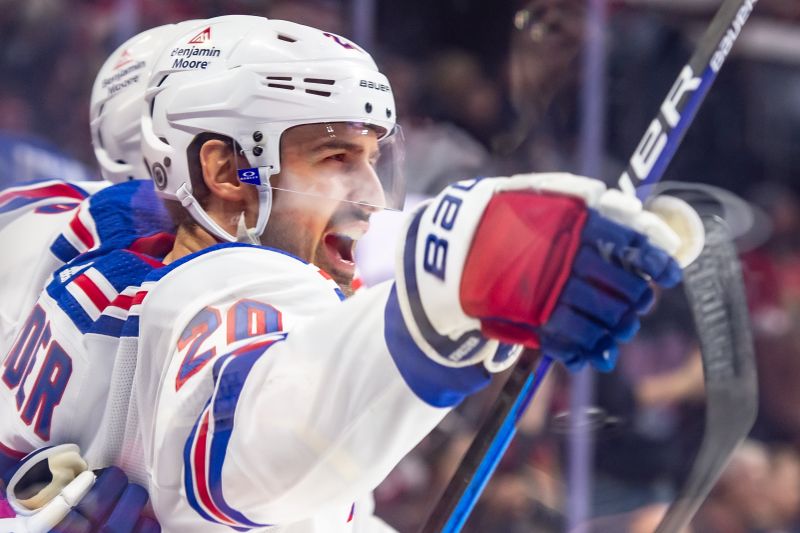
(249, 175)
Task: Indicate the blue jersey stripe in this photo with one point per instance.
(161, 272)
(435, 384)
(229, 373)
(71, 307)
(188, 470)
(63, 250)
(131, 327)
(230, 381)
(18, 203)
(108, 325)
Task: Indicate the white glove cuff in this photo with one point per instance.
(684, 222)
(64, 463)
(429, 265)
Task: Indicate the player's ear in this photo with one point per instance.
(219, 170)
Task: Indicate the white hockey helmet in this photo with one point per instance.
(116, 103)
(250, 79)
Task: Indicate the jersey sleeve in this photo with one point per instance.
(286, 425)
(44, 198)
(31, 218)
(54, 380)
(49, 224)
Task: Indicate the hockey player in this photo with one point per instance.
(244, 392)
(51, 223)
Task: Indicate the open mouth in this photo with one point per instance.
(340, 247)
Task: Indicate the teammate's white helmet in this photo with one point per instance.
(250, 79)
(117, 95)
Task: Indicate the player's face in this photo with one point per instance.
(324, 195)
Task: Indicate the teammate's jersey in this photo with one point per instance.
(234, 384)
(47, 224)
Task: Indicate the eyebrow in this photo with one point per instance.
(339, 144)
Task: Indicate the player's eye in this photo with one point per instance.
(340, 157)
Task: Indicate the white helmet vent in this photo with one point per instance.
(281, 86)
(291, 87)
(318, 93)
(282, 37)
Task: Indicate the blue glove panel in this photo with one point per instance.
(112, 506)
(73, 523)
(147, 525)
(631, 250)
(608, 289)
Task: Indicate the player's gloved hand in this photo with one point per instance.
(544, 260)
(52, 491)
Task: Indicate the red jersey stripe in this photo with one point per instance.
(81, 231)
(10, 452)
(91, 290)
(200, 461)
(54, 191)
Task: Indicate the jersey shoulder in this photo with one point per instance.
(230, 297)
(50, 196)
(234, 269)
(241, 290)
(97, 293)
(124, 215)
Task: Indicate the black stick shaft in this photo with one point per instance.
(645, 168)
(450, 514)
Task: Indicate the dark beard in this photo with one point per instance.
(281, 237)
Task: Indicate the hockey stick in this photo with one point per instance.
(645, 168)
(714, 288)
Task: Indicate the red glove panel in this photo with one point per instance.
(538, 236)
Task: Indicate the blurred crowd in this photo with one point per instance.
(494, 88)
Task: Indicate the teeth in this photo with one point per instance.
(343, 245)
(353, 234)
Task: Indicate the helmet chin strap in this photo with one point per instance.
(247, 236)
(243, 234)
(252, 235)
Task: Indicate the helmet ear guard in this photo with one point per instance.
(159, 174)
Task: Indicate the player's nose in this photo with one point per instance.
(366, 187)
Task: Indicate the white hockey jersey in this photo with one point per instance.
(234, 384)
(47, 224)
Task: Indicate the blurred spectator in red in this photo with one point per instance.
(758, 492)
(739, 502)
(784, 489)
(772, 275)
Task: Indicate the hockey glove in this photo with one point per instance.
(550, 261)
(52, 491)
